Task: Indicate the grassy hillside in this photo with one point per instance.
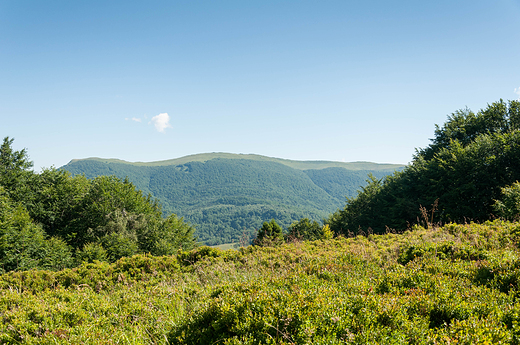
(452, 285)
(228, 196)
(301, 165)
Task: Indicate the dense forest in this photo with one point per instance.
(227, 196)
(53, 220)
(458, 178)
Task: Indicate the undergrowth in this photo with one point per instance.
(453, 284)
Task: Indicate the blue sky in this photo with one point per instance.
(306, 80)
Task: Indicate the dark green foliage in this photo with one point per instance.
(14, 169)
(173, 234)
(304, 229)
(54, 199)
(119, 244)
(24, 245)
(56, 255)
(270, 234)
(164, 236)
(46, 218)
(360, 210)
(91, 252)
(457, 178)
(228, 196)
(107, 211)
(508, 205)
(464, 126)
(107, 194)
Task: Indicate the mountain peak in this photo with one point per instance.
(296, 164)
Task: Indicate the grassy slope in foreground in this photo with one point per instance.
(456, 284)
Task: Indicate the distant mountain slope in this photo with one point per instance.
(341, 183)
(204, 157)
(227, 195)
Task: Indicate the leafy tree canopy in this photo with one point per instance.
(304, 229)
(53, 220)
(270, 234)
(456, 178)
(508, 205)
(14, 168)
(307, 230)
(23, 244)
(464, 126)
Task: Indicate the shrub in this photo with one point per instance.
(270, 234)
(508, 207)
(91, 252)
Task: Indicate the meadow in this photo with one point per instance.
(455, 284)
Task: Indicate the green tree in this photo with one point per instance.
(457, 178)
(24, 245)
(104, 196)
(304, 230)
(270, 234)
(14, 169)
(90, 253)
(508, 206)
(45, 217)
(168, 236)
(55, 199)
(464, 126)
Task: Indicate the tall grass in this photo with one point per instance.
(453, 284)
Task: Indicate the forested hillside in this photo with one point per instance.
(51, 220)
(229, 196)
(461, 176)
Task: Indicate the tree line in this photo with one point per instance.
(53, 220)
(467, 173)
(223, 197)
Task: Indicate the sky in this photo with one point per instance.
(305, 80)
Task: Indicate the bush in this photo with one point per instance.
(24, 245)
(91, 252)
(508, 207)
(270, 234)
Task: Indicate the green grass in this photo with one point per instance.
(452, 285)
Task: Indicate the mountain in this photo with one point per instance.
(228, 196)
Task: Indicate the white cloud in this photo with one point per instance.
(517, 91)
(161, 122)
(136, 119)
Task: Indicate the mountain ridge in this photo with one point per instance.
(298, 164)
(228, 195)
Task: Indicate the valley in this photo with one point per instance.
(228, 196)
